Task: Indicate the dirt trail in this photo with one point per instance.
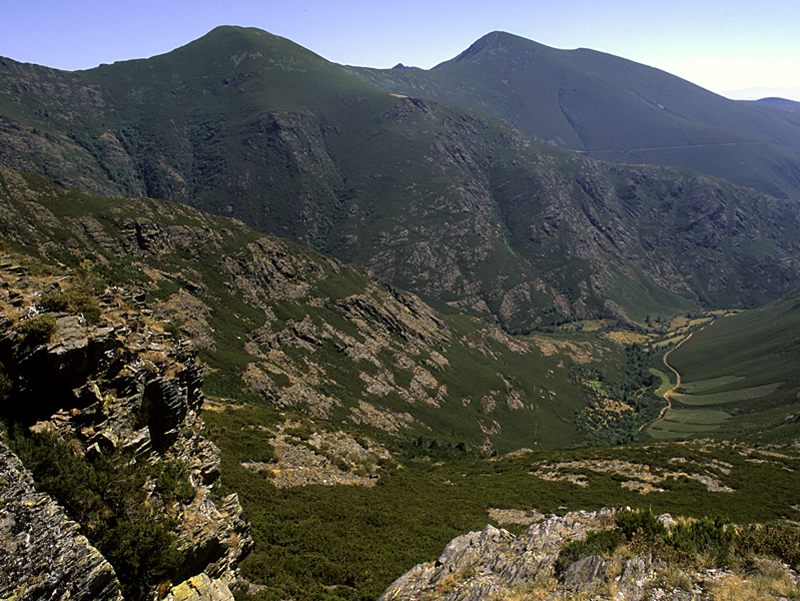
(671, 391)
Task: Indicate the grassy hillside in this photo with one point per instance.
(738, 377)
(612, 109)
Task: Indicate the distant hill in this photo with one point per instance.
(459, 207)
(782, 104)
(612, 109)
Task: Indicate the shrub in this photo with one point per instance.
(641, 522)
(712, 537)
(780, 541)
(171, 328)
(602, 542)
(694, 536)
(5, 384)
(172, 482)
(39, 328)
(79, 299)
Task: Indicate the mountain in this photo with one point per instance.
(304, 333)
(354, 422)
(781, 104)
(458, 207)
(612, 109)
(198, 389)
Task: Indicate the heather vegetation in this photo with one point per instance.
(689, 543)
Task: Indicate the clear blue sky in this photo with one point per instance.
(720, 45)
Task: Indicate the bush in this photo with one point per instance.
(171, 328)
(172, 482)
(708, 536)
(700, 535)
(39, 328)
(641, 522)
(780, 541)
(79, 299)
(602, 542)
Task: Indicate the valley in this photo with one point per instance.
(325, 320)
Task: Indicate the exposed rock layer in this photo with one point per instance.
(120, 384)
(42, 553)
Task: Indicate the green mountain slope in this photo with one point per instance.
(281, 326)
(738, 375)
(611, 109)
(304, 356)
(458, 207)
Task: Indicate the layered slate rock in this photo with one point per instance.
(42, 554)
(121, 383)
(492, 563)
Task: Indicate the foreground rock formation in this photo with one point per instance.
(119, 383)
(495, 564)
(42, 554)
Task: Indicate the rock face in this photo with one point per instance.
(481, 565)
(495, 564)
(42, 554)
(122, 383)
(447, 203)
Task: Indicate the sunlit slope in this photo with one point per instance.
(458, 207)
(739, 377)
(611, 108)
(281, 327)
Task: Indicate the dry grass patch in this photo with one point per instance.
(765, 585)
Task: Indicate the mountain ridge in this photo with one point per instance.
(335, 400)
(452, 204)
(618, 110)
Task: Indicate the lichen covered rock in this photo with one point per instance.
(42, 553)
(118, 386)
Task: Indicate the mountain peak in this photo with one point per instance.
(496, 40)
(480, 45)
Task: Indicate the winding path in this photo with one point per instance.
(671, 391)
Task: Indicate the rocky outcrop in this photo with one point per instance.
(200, 588)
(42, 553)
(495, 564)
(120, 384)
(480, 565)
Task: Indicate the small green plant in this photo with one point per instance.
(5, 383)
(172, 482)
(780, 541)
(708, 536)
(39, 328)
(171, 328)
(79, 299)
(602, 542)
(641, 522)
